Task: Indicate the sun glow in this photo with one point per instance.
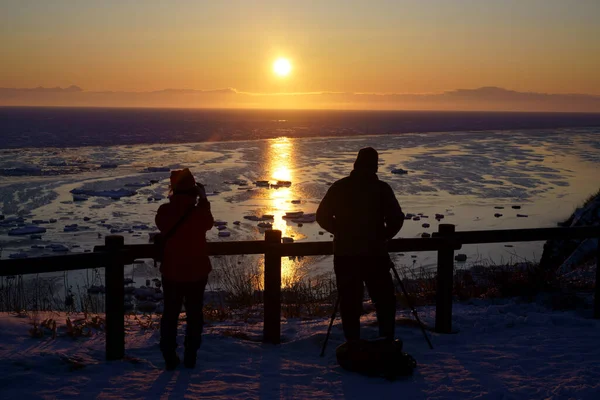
(282, 67)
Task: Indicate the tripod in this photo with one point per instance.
(409, 302)
(410, 305)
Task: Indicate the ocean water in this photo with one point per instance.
(464, 173)
(72, 127)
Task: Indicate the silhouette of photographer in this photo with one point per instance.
(363, 214)
(185, 266)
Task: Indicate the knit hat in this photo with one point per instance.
(367, 160)
(182, 180)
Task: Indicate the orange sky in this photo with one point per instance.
(341, 46)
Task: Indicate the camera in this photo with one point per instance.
(201, 191)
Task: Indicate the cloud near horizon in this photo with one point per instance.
(480, 99)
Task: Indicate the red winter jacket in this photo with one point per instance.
(185, 257)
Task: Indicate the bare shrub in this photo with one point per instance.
(239, 277)
(309, 297)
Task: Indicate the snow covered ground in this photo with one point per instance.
(503, 350)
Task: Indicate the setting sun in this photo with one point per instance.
(282, 67)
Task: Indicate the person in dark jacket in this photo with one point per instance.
(185, 266)
(363, 214)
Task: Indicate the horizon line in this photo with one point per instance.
(230, 90)
(303, 109)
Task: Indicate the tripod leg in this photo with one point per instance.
(335, 308)
(414, 311)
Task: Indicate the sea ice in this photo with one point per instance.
(157, 169)
(460, 257)
(113, 194)
(21, 171)
(26, 230)
(138, 184)
(306, 218)
(18, 255)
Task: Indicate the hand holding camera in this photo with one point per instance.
(201, 191)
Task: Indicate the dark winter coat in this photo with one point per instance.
(362, 212)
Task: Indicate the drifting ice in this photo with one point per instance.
(113, 194)
(26, 230)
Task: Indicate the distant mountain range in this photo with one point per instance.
(481, 99)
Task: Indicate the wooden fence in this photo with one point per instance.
(114, 255)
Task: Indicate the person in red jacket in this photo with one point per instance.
(185, 265)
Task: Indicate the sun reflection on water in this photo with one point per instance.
(280, 167)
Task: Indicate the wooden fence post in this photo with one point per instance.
(445, 282)
(597, 288)
(115, 299)
(272, 297)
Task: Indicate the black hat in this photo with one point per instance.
(367, 160)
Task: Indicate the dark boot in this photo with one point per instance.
(171, 360)
(189, 358)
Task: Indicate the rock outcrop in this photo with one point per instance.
(563, 256)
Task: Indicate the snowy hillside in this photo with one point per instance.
(501, 351)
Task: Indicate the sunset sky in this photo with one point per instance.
(397, 46)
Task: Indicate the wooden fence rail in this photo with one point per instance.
(114, 255)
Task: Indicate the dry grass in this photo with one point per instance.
(235, 292)
(240, 280)
(524, 280)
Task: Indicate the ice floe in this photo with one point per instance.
(21, 171)
(27, 230)
(460, 257)
(238, 182)
(96, 289)
(306, 218)
(138, 184)
(157, 169)
(113, 194)
(293, 214)
(18, 255)
(57, 248)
